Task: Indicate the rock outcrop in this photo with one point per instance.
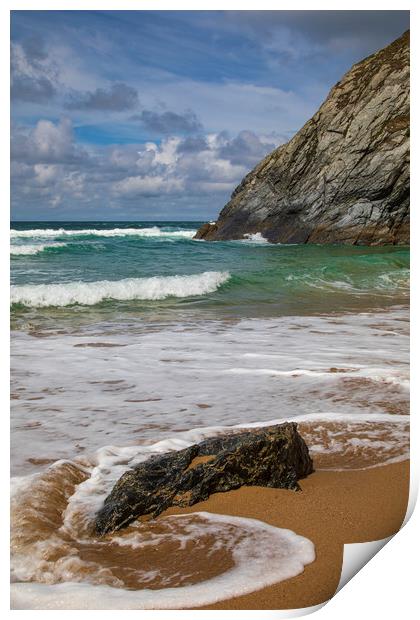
(344, 177)
(274, 456)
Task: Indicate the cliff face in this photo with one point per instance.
(344, 177)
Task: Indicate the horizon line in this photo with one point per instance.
(102, 220)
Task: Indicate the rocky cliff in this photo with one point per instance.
(344, 177)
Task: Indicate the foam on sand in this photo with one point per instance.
(261, 555)
(57, 564)
(91, 293)
(380, 375)
(334, 439)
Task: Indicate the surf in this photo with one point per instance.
(33, 249)
(153, 231)
(92, 293)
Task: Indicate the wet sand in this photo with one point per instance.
(333, 508)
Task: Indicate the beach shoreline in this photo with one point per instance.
(333, 509)
(166, 342)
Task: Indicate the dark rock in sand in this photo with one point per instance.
(275, 456)
(344, 177)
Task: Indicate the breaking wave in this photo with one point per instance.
(153, 231)
(31, 249)
(254, 238)
(91, 293)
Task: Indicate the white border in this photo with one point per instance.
(386, 587)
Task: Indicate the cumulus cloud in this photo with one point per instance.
(193, 144)
(269, 71)
(47, 143)
(46, 174)
(127, 158)
(116, 98)
(50, 167)
(210, 163)
(148, 185)
(168, 122)
(40, 76)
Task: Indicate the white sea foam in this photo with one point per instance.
(29, 249)
(262, 555)
(327, 435)
(385, 283)
(255, 238)
(91, 293)
(384, 375)
(153, 231)
(155, 381)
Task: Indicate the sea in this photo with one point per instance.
(130, 339)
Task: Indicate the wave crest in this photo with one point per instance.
(91, 293)
(31, 249)
(153, 231)
(254, 238)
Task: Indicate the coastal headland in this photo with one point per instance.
(344, 177)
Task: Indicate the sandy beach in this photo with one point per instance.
(333, 508)
(100, 387)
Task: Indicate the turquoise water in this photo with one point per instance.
(231, 279)
(132, 339)
(124, 330)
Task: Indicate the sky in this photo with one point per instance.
(158, 115)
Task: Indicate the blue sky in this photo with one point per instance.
(131, 115)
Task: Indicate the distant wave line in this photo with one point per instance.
(153, 231)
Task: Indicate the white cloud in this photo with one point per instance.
(165, 153)
(167, 169)
(74, 183)
(52, 168)
(47, 143)
(148, 185)
(51, 140)
(46, 174)
(124, 158)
